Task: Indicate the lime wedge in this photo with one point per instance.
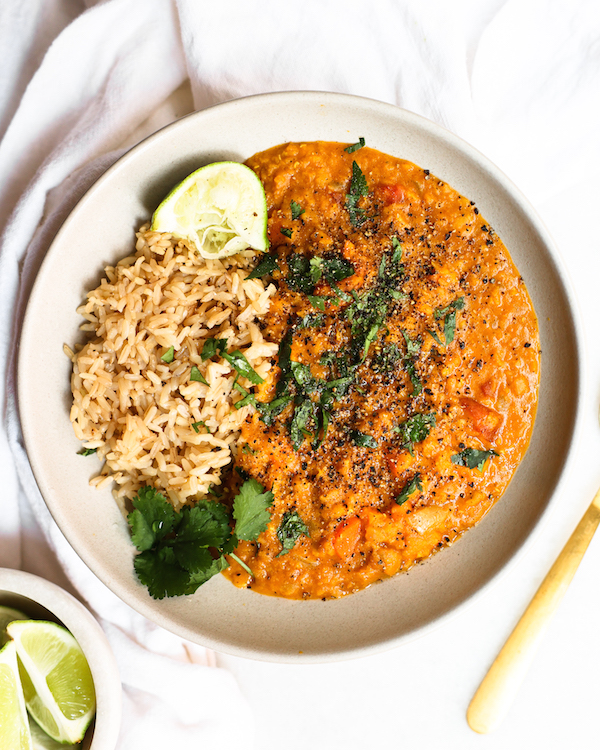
(41, 741)
(8, 614)
(220, 209)
(57, 682)
(14, 724)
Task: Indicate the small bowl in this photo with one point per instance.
(42, 600)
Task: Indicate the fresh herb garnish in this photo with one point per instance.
(174, 546)
(304, 272)
(291, 528)
(363, 440)
(397, 247)
(415, 429)
(251, 510)
(248, 398)
(179, 551)
(409, 488)
(248, 450)
(169, 355)
(472, 458)
(286, 232)
(386, 359)
(197, 376)
(318, 302)
(197, 425)
(312, 320)
(297, 210)
(448, 313)
(87, 451)
(357, 188)
(355, 146)
(266, 266)
(236, 359)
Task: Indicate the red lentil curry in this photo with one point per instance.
(407, 376)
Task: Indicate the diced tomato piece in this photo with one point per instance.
(390, 194)
(398, 462)
(487, 422)
(347, 536)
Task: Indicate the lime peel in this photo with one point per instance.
(57, 682)
(220, 210)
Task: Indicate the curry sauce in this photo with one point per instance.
(407, 377)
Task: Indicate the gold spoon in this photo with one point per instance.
(499, 687)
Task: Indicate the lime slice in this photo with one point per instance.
(57, 682)
(8, 614)
(14, 724)
(220, 209)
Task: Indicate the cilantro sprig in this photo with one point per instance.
(181, 550)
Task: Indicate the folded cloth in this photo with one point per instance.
(81, 81)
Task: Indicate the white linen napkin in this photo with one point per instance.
(78, 84)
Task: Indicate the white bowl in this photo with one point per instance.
(43, 600)
(100, 231)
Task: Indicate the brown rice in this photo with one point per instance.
(137, 410)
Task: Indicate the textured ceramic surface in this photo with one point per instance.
(42, 600)
(100, 230)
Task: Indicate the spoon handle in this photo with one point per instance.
(499, 687)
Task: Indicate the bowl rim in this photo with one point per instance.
(435, 130)
(82, 625)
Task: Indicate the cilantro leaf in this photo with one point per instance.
(87, 451)
(355, 146)
(299, 273)
(236, 359)
(312, 320)
(357, 188)
(363, 440)
(303, 414)
(197, 425)
(286, 232)
(337, 268)
(202, 576)
(161, 573)
(318, 302)
(415, 429)
(243, 367)
(472, 458)
(266, 266)
(291, 528)
(409, 488)
(152, 519)
(269, 410)
(448, 313)
(397, 247)
(250, 510)
(196, 376)
(169, 355)
(316, 269)
(297, 210)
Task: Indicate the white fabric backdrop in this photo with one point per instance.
(519, 79)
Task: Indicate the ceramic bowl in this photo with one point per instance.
(100, 230)
(43, 600)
